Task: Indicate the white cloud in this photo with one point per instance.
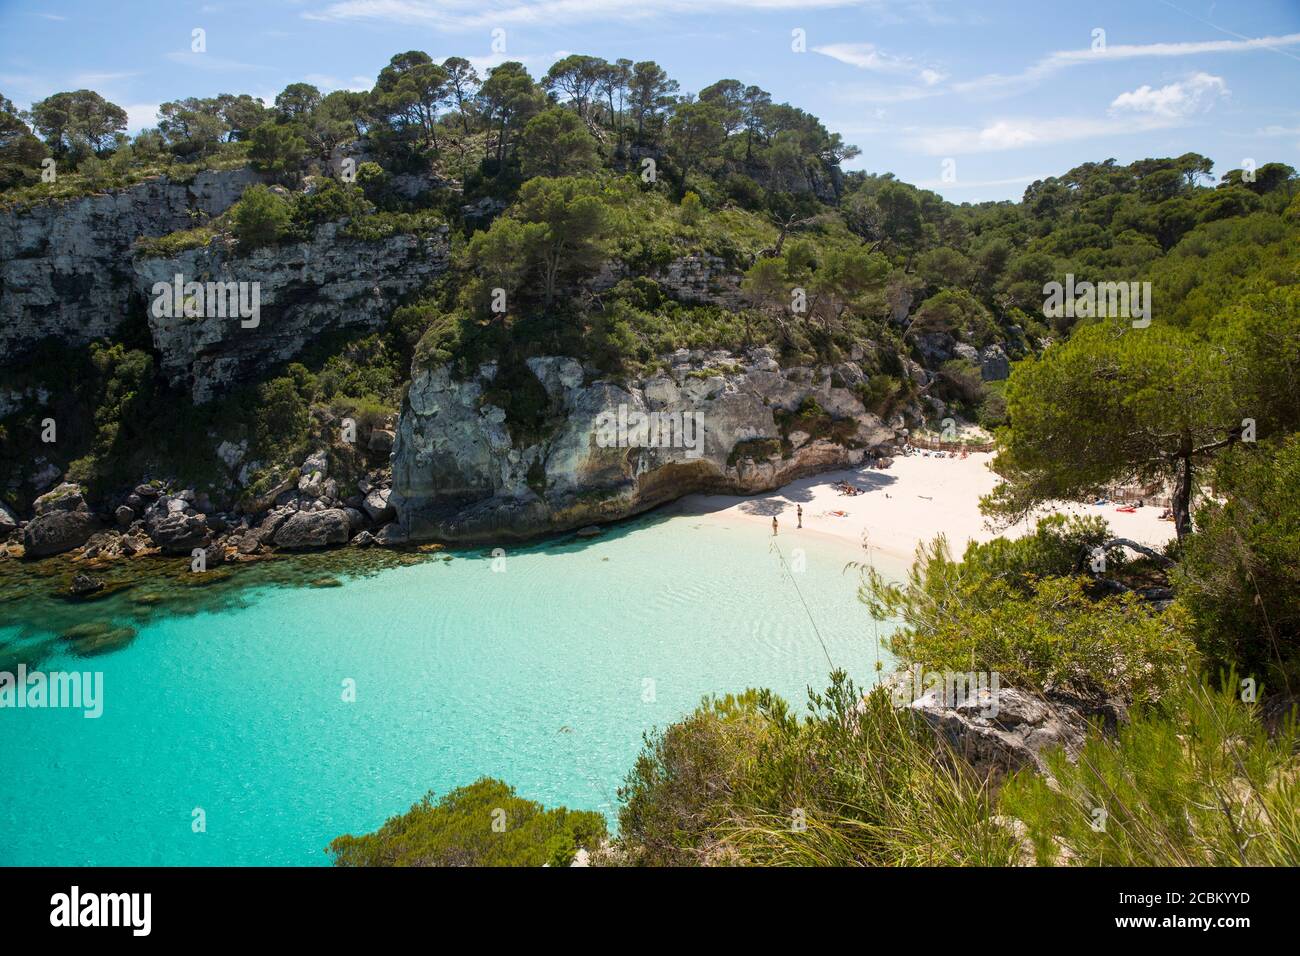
(1054, 62)
(865, 56)
(460, 15)
(1008, 134)
(1177, 100)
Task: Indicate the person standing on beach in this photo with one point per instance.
(773, 524)
(798, 510)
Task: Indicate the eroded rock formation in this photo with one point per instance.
(459, 475)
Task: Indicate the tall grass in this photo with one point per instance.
(876, 787)
(1199, 782)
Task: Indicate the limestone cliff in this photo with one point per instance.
(65, 267)
(459, 476)
(305, 289)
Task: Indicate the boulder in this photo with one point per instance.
(57, 531)
(994, 364)
(179, 533)
(317, 462)
(381, 440)
(390, 535)
(998, 731)
(124, 515)
(377, 507)
(356, 520)
(65, 497)
(8, 520)
(315, 529)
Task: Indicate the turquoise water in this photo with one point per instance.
(545, 675)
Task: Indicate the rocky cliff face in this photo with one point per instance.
(458, 476)
(304, 290)
(65, 268)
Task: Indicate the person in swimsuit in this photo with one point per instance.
(798, 510)
(773, 524)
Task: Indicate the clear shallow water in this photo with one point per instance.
(537, 675)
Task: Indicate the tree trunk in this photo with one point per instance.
(1182, 503)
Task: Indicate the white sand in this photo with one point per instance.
(914, 500)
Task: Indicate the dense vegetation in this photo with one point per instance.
(609, 170)
(571, 196)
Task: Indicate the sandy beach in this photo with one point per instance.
(914, 500)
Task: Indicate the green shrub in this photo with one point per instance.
(1240, 572)
(260, 218)
(993, 612)
(483, 824)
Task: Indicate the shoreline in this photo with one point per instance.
(913, 501)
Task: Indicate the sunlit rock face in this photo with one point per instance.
(613, 449)
(65, 267)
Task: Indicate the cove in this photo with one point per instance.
(545, 674)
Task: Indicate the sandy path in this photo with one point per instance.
(914, 500)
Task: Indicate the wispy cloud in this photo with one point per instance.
(944, 185)
(869, 57)
(460, 15)
(208, 61)
(90, 79)
(1022, 133)
(1064, 59)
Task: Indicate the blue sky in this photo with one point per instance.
(996, 94)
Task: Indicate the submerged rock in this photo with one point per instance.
(83, 584)
(98, 637)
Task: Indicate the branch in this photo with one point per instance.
(1139, 548)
